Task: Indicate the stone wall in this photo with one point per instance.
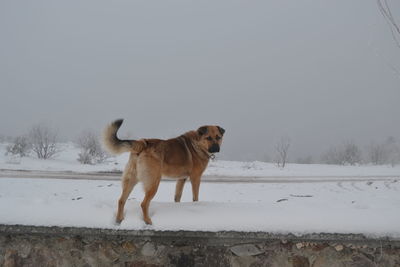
(52, 246)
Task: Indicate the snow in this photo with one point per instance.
(361, 207)
(263, 169)
(67, 161)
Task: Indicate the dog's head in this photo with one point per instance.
(211, 137)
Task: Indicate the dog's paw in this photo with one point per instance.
(146, 226)
(148, 221)
(118, 220)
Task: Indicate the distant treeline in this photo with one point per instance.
(42, 141)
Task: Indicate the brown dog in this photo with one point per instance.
(150, 159)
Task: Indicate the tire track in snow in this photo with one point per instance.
(340, 184)
(353, 184)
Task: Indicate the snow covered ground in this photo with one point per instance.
(367, 205)
(370, 208)
(67, 161)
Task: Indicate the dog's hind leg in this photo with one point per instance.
(129, 180)
(150, 192)
(178, 189)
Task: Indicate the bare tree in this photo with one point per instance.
(44, 141)
(91, 150)
(282, 151)
(386, 12)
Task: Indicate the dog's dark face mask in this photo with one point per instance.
(213, 148)
(211, 137)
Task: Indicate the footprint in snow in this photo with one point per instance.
(282, 199)
(109, 185)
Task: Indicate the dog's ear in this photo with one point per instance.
(202, 130)
(221, 130)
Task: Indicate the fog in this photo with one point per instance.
(318, 72)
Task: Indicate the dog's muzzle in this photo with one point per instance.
(214, 148)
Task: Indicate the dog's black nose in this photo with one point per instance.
(214, 148)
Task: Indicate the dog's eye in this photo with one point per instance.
(209, 138)
(218, 137)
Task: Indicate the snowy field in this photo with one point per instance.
(370, 208)
(67, 161)
(289, 202)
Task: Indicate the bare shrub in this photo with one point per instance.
(44, 141)
(393, 150)
(347, 153)
(377, 153)
(352, 154)
(91, 149)
(19, 147)
(282, 151)
(332, 156)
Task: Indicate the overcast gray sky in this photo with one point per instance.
(318, 72)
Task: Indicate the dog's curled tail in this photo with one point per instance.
(117, 146)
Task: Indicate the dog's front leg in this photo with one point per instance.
(179, 189)
(195, 180)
